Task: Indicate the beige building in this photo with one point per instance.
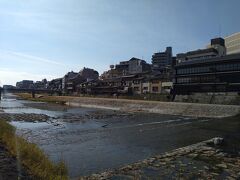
(232, 43)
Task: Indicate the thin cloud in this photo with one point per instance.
(8, 76)
(30, 58)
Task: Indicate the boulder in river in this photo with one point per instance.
(218, 141)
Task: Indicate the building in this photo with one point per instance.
(216, 49)
(138, 66)
(122, 68)
(55, 84)
(125, 68)
(25, 84)
(118, 70)
(210, 74)
(112, 73)
(89, 74)
(9, 87)
(72, 79)
(132, 66)
(232, 43)
(65, 81)
(162, 60)
(40, 84)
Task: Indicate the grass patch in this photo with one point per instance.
(44, 98)
(63, 99)
(31, 157)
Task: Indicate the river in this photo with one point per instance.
(93, 140)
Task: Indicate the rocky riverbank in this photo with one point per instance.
(206, 160)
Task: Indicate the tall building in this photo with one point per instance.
(162, 60)
(232, 43)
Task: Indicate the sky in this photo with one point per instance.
(47, 38)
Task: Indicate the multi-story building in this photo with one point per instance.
(122, 68)
(138, 66)
(65, 81)
(162, 60)
(217, 48)
(207, 70)
(232, 43)
(89, 74)
(211, 74)
(55, 84)
(112, 73)
(25, 84)
(40, 84)
(9, 87)
(125, 68)
(72, 80)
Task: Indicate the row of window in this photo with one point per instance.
(210, 69)
(154, 89)
(200, 79)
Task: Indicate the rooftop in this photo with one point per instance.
(211, 59)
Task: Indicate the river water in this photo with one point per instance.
(93, 140)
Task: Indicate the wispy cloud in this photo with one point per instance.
(16, 66)
(8, 76)
(18, 56)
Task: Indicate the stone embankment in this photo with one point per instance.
(172, 108)
(205, 160)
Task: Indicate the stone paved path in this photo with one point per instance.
(200, 161)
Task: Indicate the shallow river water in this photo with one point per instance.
(94, 140)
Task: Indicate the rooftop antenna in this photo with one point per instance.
(220, 30)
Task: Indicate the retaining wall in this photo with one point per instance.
(172, 108)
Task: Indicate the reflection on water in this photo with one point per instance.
(93, 140)
(29, 125)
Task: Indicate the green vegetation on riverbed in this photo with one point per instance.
(41, 98)
(34, 159)
(62, 99)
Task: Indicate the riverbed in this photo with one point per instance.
(92, 140)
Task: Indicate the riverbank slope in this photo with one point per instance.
(21, 159)
(171, 108)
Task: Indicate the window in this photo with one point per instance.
(136, 88)
(155, 89)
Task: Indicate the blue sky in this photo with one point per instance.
(47, 38)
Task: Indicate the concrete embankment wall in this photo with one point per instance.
(172, 108)
(230, 98)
